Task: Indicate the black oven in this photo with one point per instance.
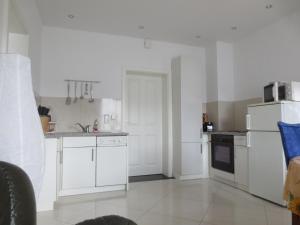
(222, 152)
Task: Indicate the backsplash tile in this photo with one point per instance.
(240, 111)
(229, 115)
(66, 116)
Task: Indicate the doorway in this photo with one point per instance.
(145, 119)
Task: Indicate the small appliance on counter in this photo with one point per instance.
(282, 91)
(47, 125)
(207, 125)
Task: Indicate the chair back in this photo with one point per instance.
(17, 199)
(290, 135)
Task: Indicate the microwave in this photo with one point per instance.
(282, 91)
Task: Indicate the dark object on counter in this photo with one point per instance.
(17, 205)
(208, 127)
(43, 111)
(108, 220)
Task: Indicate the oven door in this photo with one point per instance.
(222, 155)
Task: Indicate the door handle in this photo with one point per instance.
(248, 121)
(248, 139)
(92, 155)
(201, 149)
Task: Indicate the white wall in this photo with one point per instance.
(225, 68)
(270, 54)
(29, 16)
(212, 72)
(14, 22)
(94, 56)
(4, 8)
(220, 71)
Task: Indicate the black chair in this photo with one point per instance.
(17, 200)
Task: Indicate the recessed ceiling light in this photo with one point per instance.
(141, 27)
(71, 16)
(234, 28)
(269, 6)
(198, 36)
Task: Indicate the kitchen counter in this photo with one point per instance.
(81, 134)
(235, 133)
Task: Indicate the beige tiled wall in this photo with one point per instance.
(240, 111)
(229, 115)
(226, 116)
(212, 110)
(67, 115)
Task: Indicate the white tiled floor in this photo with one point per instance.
(171, 202)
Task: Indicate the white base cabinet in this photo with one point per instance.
(241, 162)
(111, 161)
(91, 165)
(241, 167)
(109, 173)
(78, 168)
(191, 159)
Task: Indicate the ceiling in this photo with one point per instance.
(179, 21)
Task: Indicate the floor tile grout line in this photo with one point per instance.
(154, 204)
(206, 211)
(177, 217)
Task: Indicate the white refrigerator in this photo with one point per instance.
(267, 167)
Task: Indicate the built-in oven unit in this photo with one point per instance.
(222, 152)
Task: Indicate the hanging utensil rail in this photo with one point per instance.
(84, 81)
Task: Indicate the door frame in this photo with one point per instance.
(167, 139)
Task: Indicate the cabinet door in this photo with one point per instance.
(241, 166)
(78, 168)
(205, 160)
(111, 166)
(264, 117)
(192, 159)
(191, 99)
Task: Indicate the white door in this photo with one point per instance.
(78, 168)
(108, 173)
(143, 121)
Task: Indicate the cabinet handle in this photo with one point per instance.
(201, 149)
(93, 155)
(248, 122)
(248, 139)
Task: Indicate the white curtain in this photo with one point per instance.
(21, 135)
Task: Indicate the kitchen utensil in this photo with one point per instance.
(81, 90)
(75, 92)
(68, 99)
(86, 89)
(91, 100)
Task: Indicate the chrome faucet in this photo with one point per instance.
(85, 129)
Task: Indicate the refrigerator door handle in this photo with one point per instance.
(248, 121)
(248, 139)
